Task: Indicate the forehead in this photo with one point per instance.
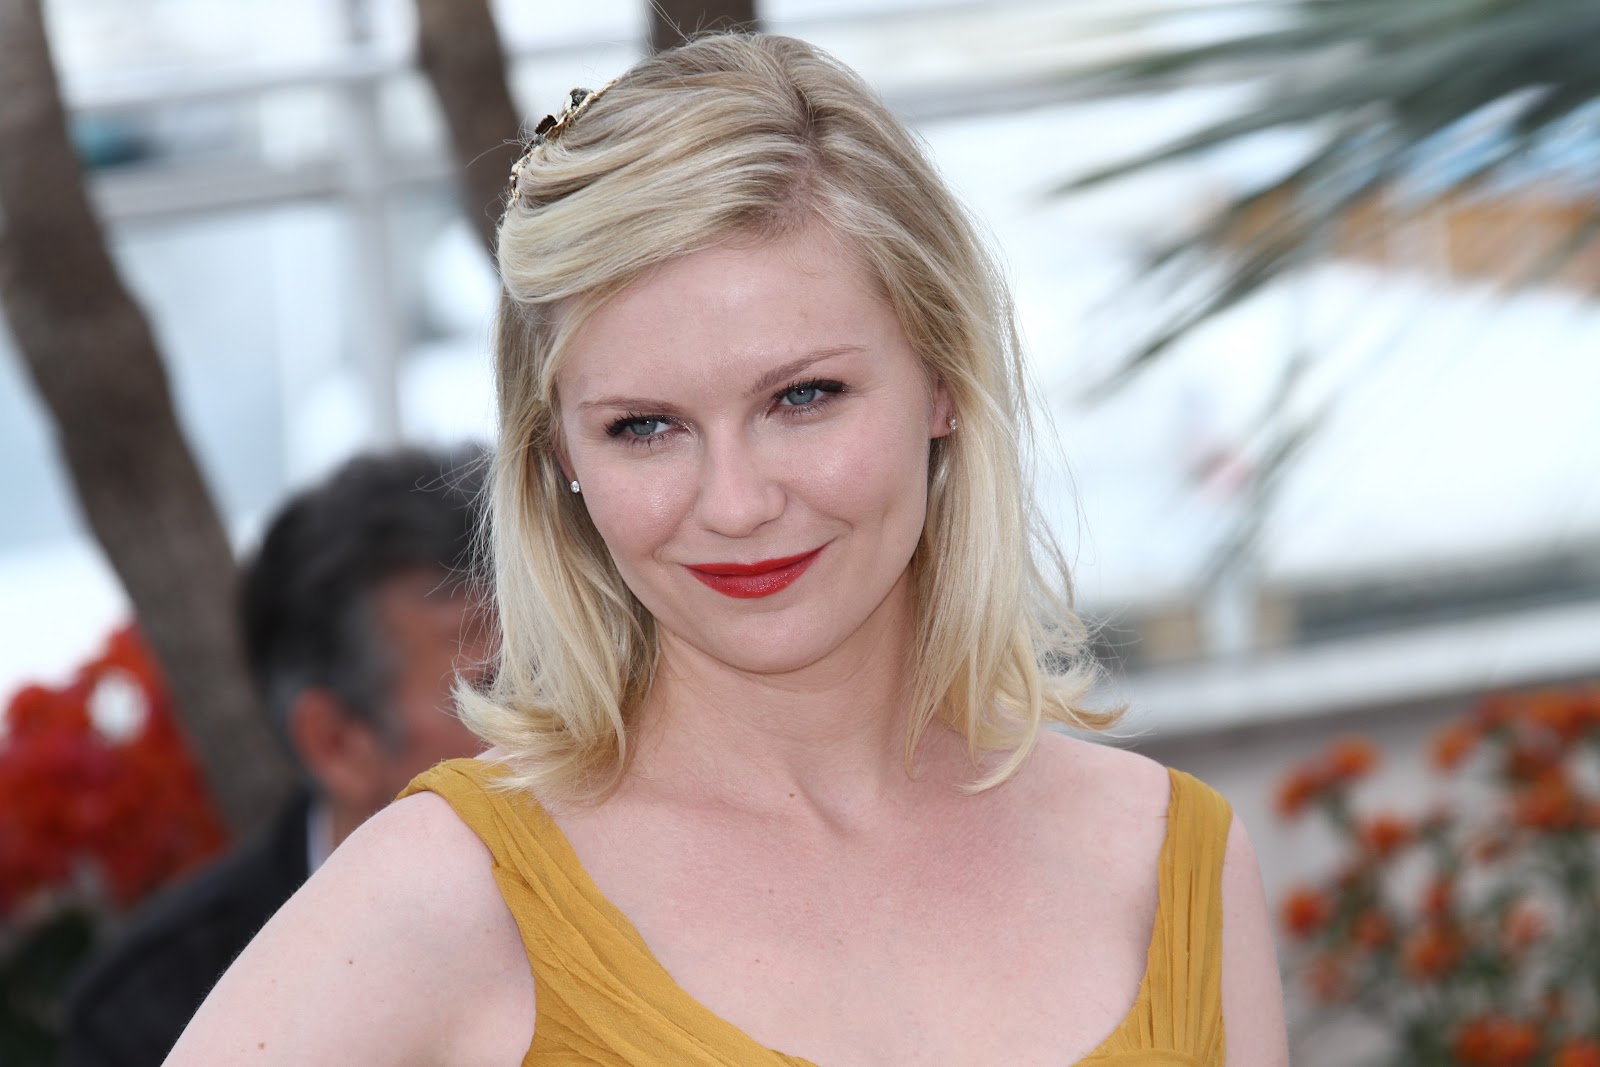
(723, 314)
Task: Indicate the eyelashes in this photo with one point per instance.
(803, 398)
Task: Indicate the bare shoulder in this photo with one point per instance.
(398, 950)
(1100, 782)
(1126, 798)
(1103, 810)
(1252, 988)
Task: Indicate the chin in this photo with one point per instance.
(774, 650)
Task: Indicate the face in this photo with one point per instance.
(431, 635)
(750, 428)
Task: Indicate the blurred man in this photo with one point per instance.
(356, 621)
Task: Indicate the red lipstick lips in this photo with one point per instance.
(747, 581)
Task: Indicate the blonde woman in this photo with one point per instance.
(773, 777)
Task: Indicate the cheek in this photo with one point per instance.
(877, 471)
(636, 507)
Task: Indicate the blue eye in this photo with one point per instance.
(643, 427)
(638, 427)
(801, 395)
(805, 397)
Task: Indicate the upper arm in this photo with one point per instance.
(399, 950)
(1252, 990)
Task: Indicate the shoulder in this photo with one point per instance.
(1129, 800)
(1100, 783)
(1101, 809)
(1252, 987)
(396, 951)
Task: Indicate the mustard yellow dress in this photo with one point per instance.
(603, 999)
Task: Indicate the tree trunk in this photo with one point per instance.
(90, 353)
(459, 49)
(673, 21)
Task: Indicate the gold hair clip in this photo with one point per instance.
(550, 127)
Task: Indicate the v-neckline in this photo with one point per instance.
(567, 857)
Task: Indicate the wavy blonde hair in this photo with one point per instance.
(731, 138)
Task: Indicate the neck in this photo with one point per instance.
(833, 731)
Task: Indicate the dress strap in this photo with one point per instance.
(603, 999)
(1185, 957)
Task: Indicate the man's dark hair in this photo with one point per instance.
(307, 595)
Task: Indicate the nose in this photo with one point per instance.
(739, 491)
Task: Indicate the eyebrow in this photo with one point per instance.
(771, 380)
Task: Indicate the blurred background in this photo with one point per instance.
(1308, 290)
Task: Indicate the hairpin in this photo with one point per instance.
(550, 127)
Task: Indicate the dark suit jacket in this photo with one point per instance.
(133, 999)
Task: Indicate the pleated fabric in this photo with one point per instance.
(1177, 1018)
(602, 998)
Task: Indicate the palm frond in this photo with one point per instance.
(1415, 101)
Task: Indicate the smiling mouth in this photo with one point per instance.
(747, 581)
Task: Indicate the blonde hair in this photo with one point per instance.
(730, 138)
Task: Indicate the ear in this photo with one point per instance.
(942, 410)
(341, 751)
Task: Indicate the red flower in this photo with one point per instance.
(1371, 930)
(134, 809)
(1329, 979)
(1352, 758)
(1577, 1052)
(1524, 924)
(1495, 711)
(1296, 793)
(1306, 911)
(1453, 745)
(1550, 805)
(1530, 759)
(1385, 834)
(1438, 899)
(1562, 713)
(37, 711)
(1432, 952)
(1495, 1041)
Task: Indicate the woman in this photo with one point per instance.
(781, 641)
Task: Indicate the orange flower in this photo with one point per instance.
(1494, 711)
(1524, 924)
(1453, 745)
(1560, 712)
(1439, 898)
(1298, 791)
(1490, 847)
(1371, 930)
(1329, 980)
(1550, 805)
(1577, 1052)
(1352, 758)
(1306, 911)
(1495, 1041)
(1529, 759)
(1386, 834)
(1431, 952)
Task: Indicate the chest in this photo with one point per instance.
(934, 947)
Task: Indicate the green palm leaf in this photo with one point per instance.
(1414, 99)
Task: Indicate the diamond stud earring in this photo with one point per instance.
(575, 487)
